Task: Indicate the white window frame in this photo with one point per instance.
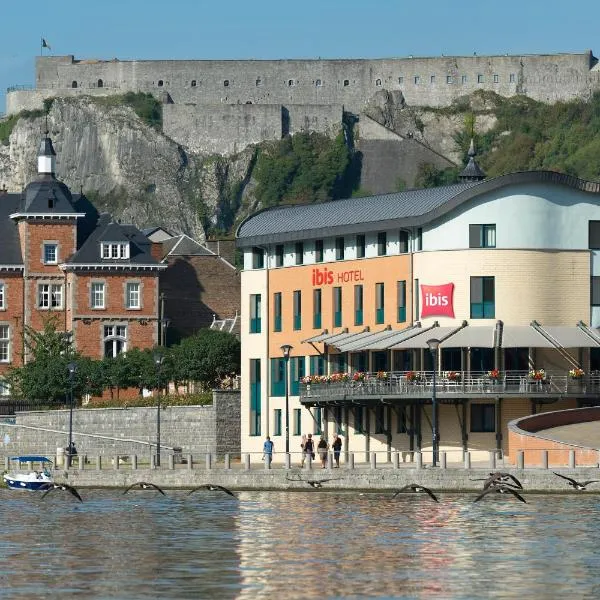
(133, 295)
(98, 295)
(50, 296)
(4, 343)
(115, 250)
(2, 296)
(4, 388)
(48, 246)
(117, 336)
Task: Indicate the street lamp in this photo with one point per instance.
(72, 368)
(433, 347)
(286, 349)
(158, 361)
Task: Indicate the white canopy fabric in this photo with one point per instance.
(477, 336)
(352, 338)
(397, 336)
(420, 341)
(378, 340)
(523, 336)
(570, 337)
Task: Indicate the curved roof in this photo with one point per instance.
(372, 213)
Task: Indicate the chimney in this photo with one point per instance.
(156, 250)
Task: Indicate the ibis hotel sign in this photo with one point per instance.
(437, 300)
(326, 276)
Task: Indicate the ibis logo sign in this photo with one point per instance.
(437, 300)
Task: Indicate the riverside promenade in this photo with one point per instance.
(371, 476)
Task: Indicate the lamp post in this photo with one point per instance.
(433, 347)
(286, 349)
(72, 368)
(158, 361)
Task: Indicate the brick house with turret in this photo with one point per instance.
(61, 259)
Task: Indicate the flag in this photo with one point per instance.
(45, 44)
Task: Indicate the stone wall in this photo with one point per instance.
(110, 431)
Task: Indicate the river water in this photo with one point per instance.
(280, 545)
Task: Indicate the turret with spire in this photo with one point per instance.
(472, 172)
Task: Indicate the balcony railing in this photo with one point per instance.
(447, 383)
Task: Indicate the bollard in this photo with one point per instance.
(208, 461)
(267, 460)
(396, 460)
(247, 462)
(81, 464)
(329, 460)
(309, 462)
(288, 461)
(443, 460)
(571, 459)
(419, 456)
(153, 461)
(171, 462)
(134, 462)
(351, 460)
(492, 454)
(227, 462)
(373, 460)
(520, 459)
(467, 460)
(190, 461)
(544, 459)
(6, 463)
(98, 463)
(116, 462)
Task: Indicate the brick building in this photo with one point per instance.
(61, 259)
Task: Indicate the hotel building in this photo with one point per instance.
(501, 276)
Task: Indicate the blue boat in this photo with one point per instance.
(32, 480)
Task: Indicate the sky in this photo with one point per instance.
(271, 29)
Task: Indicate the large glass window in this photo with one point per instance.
(403, 242)
(360, 246)
(482, 236)
(255, 308)
(4, 343)
(483, 418)
(132, 294)
(337, 306)
(317, 296)
(319, 251)
(297, 372)
(419, 241)
(119, 250)
(277, 377)
(299, 253)
(482, 298)
(2, 296)
(279, 249)
(277, 421)
(258, 258)
(297, 310)
(595, 291)
(401, 292)
(594, 235)
(317, 365)
(380, 419)
(416, 299)
(277, 311)
(381, 243)
(255, 404)
(339, 248)
(115, 340)
(359, 419)
(50, 295)
(297, 421)
(97, 295)
(379, 303)
(50, 253)
(358, 304)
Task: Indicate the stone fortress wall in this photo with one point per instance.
(223, 105)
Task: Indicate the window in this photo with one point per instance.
(419, 239)
(160, 83)
(299, 251)
(401, 80)
(358, 304)
(378, 82)
(279, 255)
(226, 83)
(4, 343)
(381, 243)
(360, 246)
(297, 310)
(258, 82)
(401, 289)
(97, 295)
(100, 83)
(359, 419)
(339, 248)
(511, 78)
(482, 236)
(277, 311)
(255, 394)
(278, 377)
(417, 80)
(297, 364)
(319, 251)
(277, 421)
(2, 296)
(318, 83)
(193, 84)
(50, 295)
(338, 415)
(463, 79)
(483, 418)
(255, 302)
(317, 309)
(337, 306)
(132, 295)
(50, 254)
(380, 419)
(73, 84)
(115, 340)
(115, 250)
(449, 79)
(318, 422)
(317, 365)
(480, 79)
(595, 291)
(297, 421)
(403, 242)
(379, 303)
(416, 299)
(4, 388)
(432, 79)
(594, 235)
(291, 83)
(258, 258)
(346, 82)
(401, 420)
(482, 298)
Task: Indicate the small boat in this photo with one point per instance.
(33, 480)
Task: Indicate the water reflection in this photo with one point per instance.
(313, 544)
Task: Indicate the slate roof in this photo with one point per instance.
(373, 213)
(47, 195)
(10, 247)
(183, 245)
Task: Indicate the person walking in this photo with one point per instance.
(322, 448)
(337, 448)
(309, 449)
(268, 450)
(302, 444)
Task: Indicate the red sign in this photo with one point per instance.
(436, 300)
(325, 276)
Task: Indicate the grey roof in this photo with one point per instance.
(10, 247)
(373, 213)
(472, 172)
(46, 195)
(46, 148)
(183, 245)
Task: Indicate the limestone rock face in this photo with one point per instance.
(126, 167)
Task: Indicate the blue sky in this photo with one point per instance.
(147, 29)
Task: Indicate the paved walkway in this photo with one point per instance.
(581, 434)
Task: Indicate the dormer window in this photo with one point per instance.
(118, 250)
